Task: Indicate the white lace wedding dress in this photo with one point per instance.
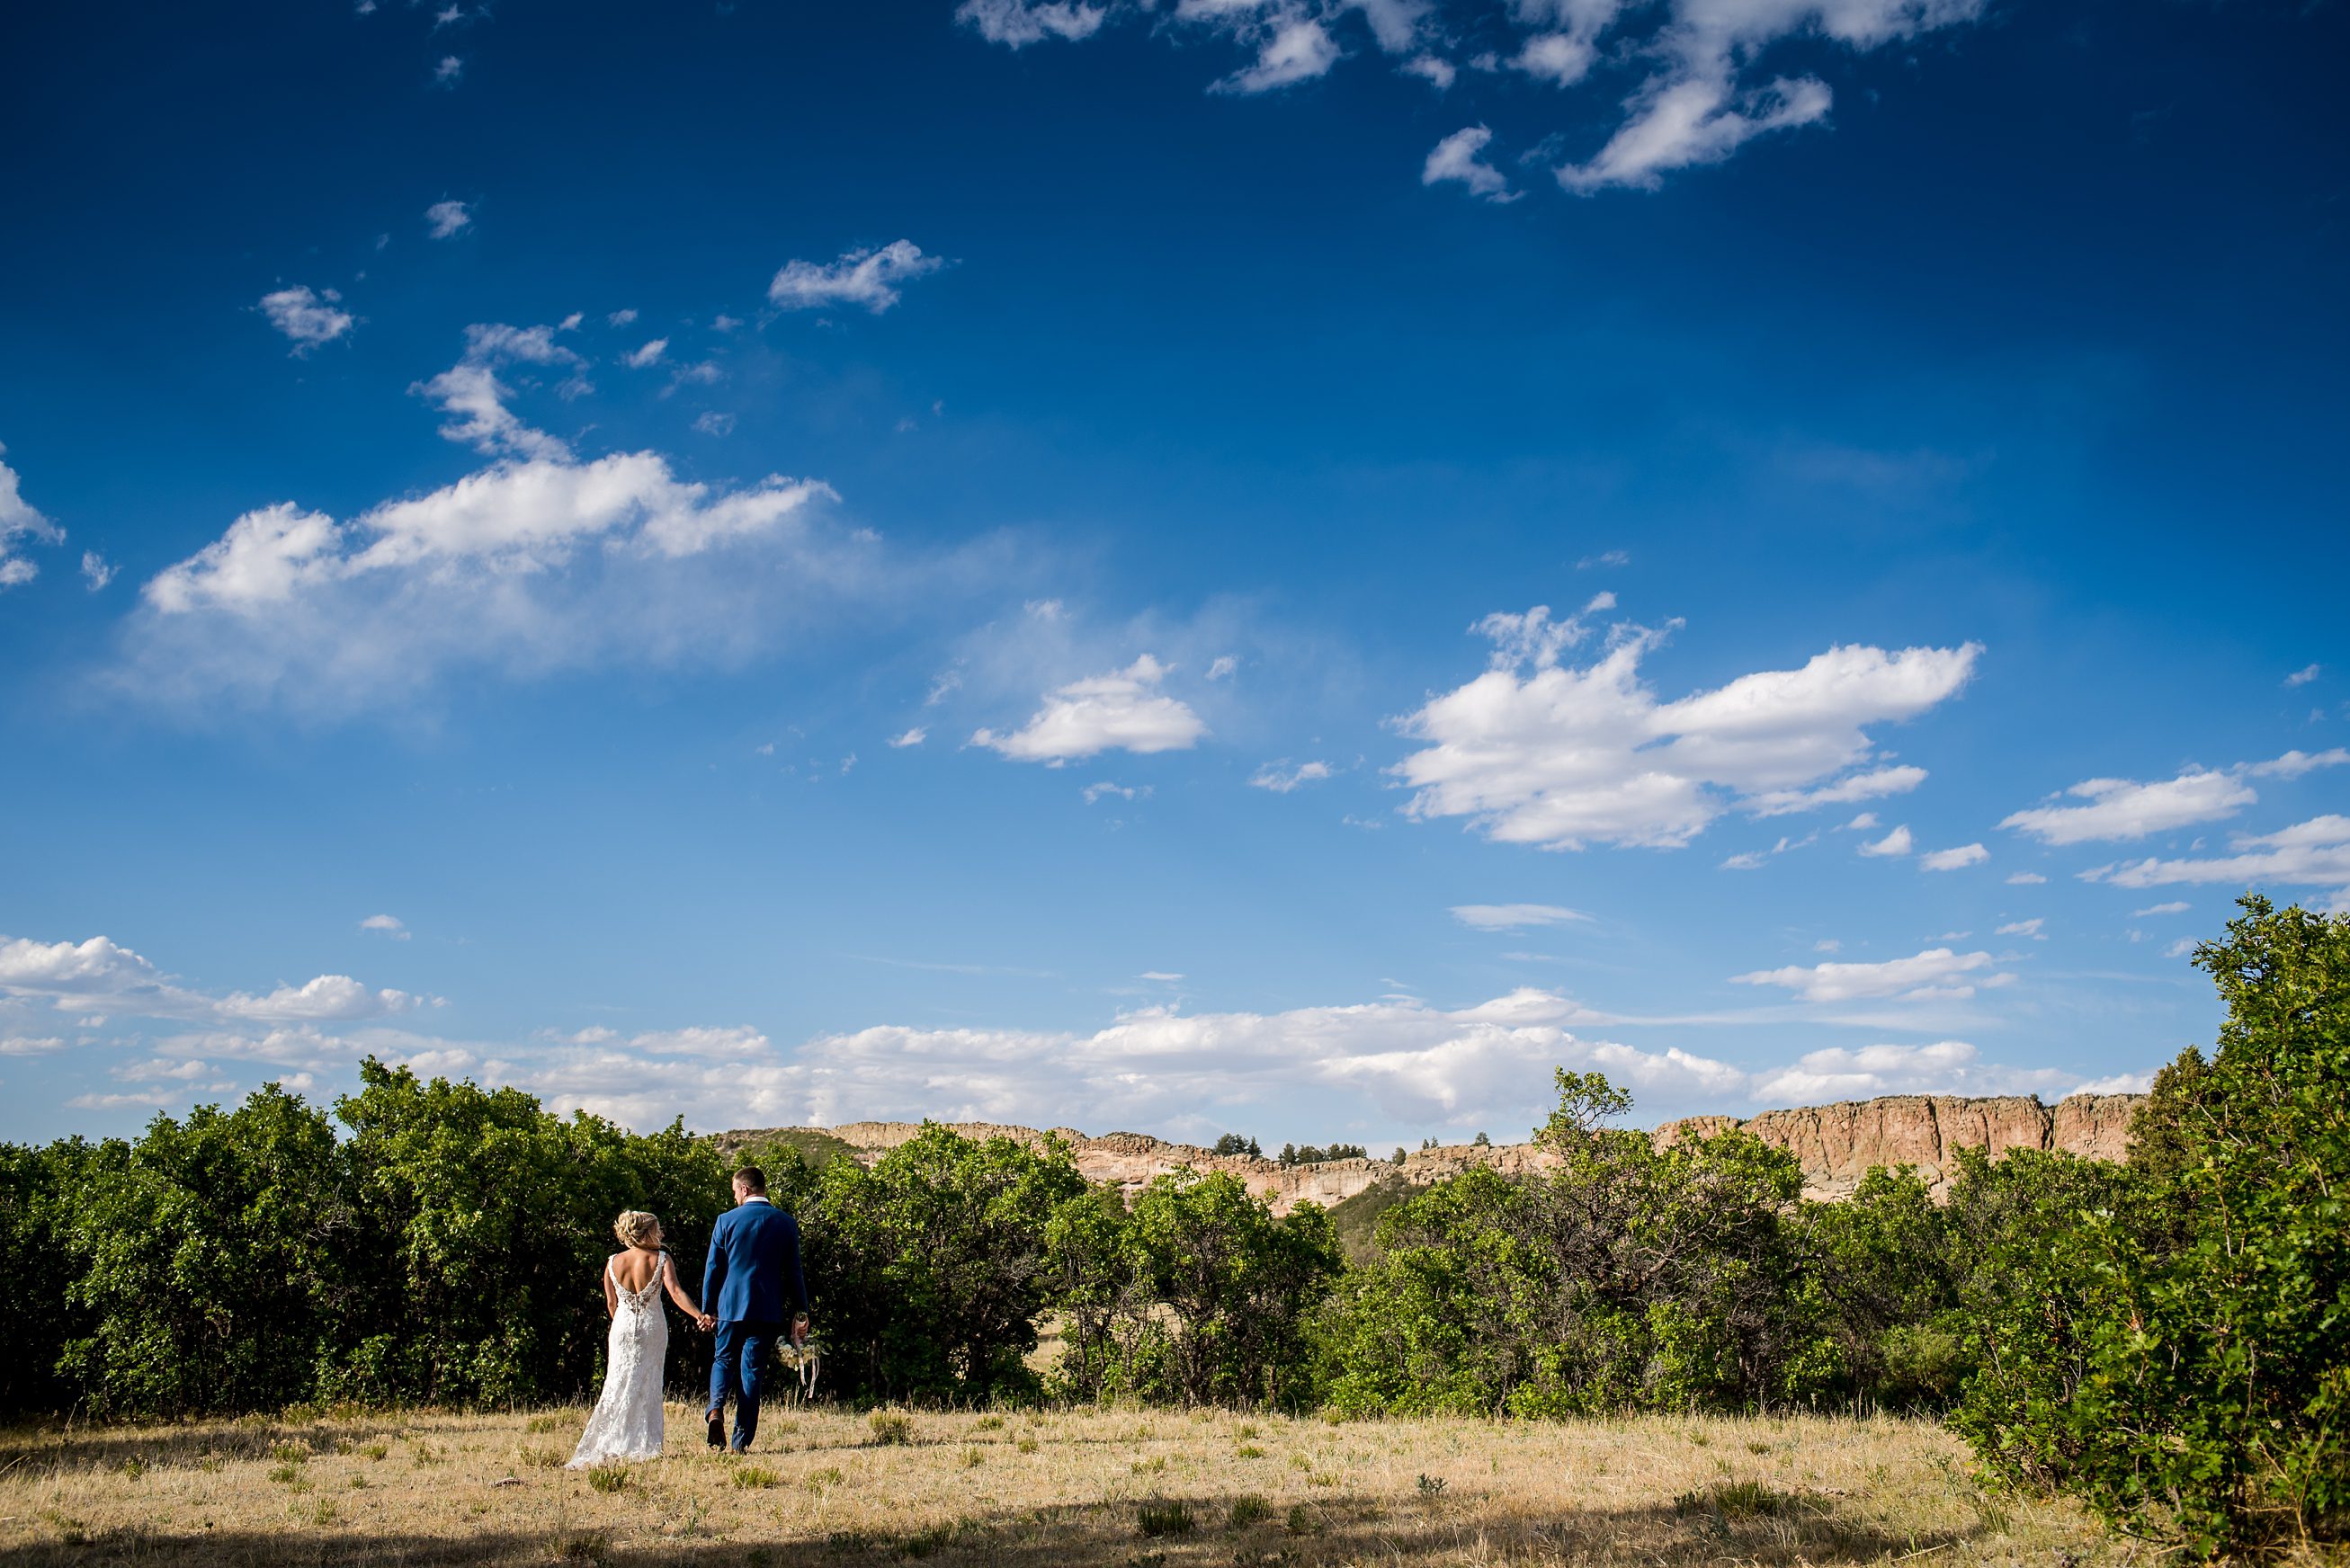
(627, 1424)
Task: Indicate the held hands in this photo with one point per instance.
(704, 1322)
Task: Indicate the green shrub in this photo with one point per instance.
(2167, 1342)
(609, 1478)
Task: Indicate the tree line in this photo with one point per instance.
(2167, 1339)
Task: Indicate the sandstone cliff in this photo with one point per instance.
(1835, 1145)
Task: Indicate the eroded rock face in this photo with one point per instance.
(1835, 1145)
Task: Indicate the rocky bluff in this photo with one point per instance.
(1834, 1143)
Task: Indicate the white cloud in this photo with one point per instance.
(2026, 880)
(1223, 668)
(1872, 785)
(1708, 89)
(96, 570)
(913, 737)
(1953, 860)
(1560, 58)
(20, 521)
(2122, 808)
(2304, 675)
(1456, 158)
(2119, 1084)
(1514, 916)
(308, 318)
(1944, 1067)
(1537, 752)
(1865, 822)
(1281, 778)
(444, 219)
(2313, 853)
(1109, 789)
(524, 567)
(2176, 907)
(97, 975)
(1017, 23)
(651, 353)
(1297, 49)
(31, 1045)
(2293, 765)
(390, 925)
(1124, 711)
(1897, 842)
(1936, 974)
(1694, 120)
(448, 72)
(1402, 1061)
(474, 398)
(1753, 859)
(861, 277)
(1433, 69)
(621, 317)
(2179, 949)
(713, 423)
(1165, 977)
(1604, 558)
(1695, 110)
(2030, 928)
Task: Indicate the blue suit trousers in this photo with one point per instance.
(738, 1366)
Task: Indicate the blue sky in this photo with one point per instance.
(1282, 565)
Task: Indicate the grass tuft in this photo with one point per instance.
(753, 1477)
(1249, 1509)
(1157, 1519)
(891, 1429)
(1734, 1499)
(608, 1479)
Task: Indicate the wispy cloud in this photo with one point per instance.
(866, 278)
(307, 317)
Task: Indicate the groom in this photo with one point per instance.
(753, 1284)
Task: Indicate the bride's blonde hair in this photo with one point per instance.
(635, 1227)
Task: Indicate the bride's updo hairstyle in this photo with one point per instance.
(635, 1227)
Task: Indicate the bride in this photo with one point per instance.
(627, 1424)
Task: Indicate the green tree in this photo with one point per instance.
(930, 1270)
(2178, 1356)
(487, 1222)
(1627, 1276)
(207, 1253)
(40, 1193)
(1235, 1288)
(1878, 1279)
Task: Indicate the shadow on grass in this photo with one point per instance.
(1169, 1530)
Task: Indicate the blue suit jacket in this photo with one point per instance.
(753, 1273)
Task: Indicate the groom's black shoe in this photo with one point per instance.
(717, 1429)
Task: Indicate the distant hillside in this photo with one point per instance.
(1834, 1143)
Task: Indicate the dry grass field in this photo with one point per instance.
(1142, 1488)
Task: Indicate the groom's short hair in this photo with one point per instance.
(751, 1179)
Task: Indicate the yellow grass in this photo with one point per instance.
(1139, 1487)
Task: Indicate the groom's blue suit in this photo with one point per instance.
(752, 1284)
